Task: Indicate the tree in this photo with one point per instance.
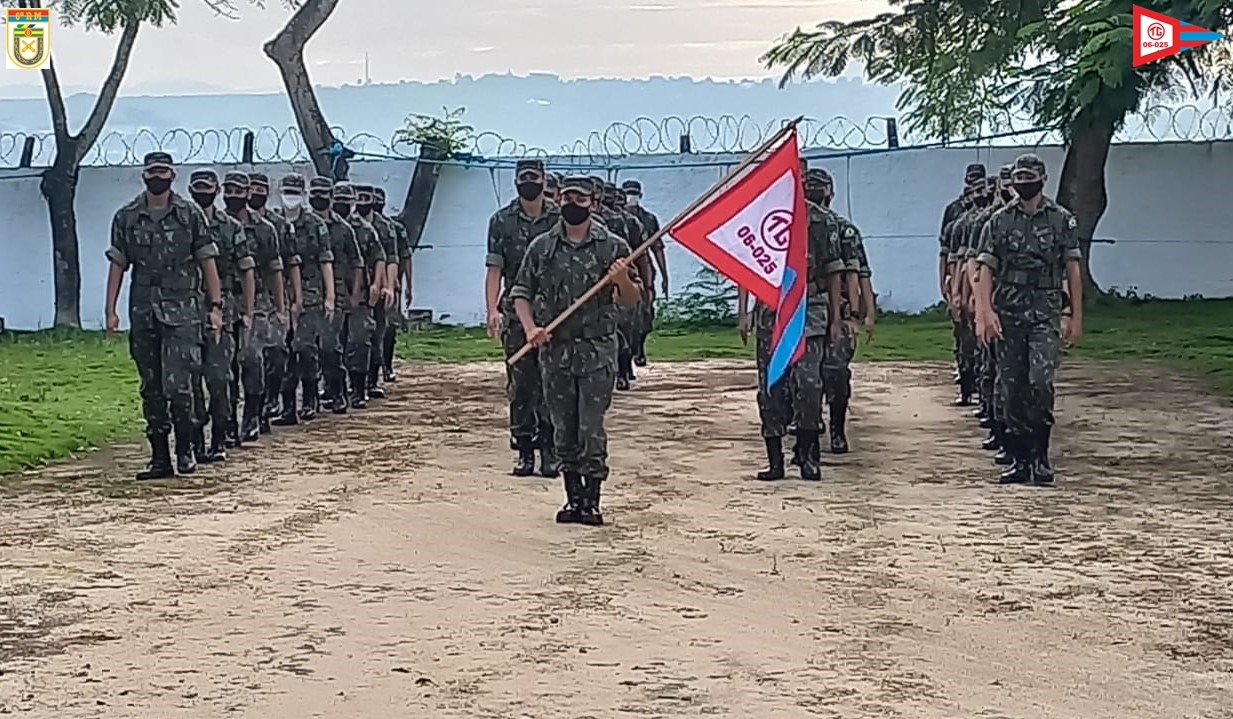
(968, 64)
(287, 51)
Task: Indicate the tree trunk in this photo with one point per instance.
(420, 192)
(287, 52)
(1081, 188)
(59, 187)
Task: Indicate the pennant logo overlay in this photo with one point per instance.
(1158, 36)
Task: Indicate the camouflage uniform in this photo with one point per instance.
(233, 262)
(395, 319)
(361, 320)
(578, 364)
(625, 227)
(510, 232)
(799, 394)
(963, 227)
(956, 207)
(278, 356)
(1027, 252)
(347, 259)
(315, 253)
(837, 366)
(164, 247)
(983, 353)
(650, 224)
(268, 329)
(387, 238)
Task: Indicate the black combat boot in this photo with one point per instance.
(839, 421)
(337, 387)
(811, 467)
(374, 389)
(993, 442)
(160, 459)
(798, 448)
(1042, 468)
(549, 462)
(288, 417)
(774, 457)
(525, 466)
(217, 451)
(982, 411)
(186, 456)
(250, 429)
(199, 445)
(269, 408)
(231, 438)
(589, 513)
(640, 352)
(1020, 451)
(387, 356)
(359, 382)
(309, 411)
(965, 390)
(571, 513)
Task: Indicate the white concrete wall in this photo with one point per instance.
(1169, 212)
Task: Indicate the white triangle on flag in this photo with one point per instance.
(758, 236)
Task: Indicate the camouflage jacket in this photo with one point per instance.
(313, 248)
(235, 257)
(402, 239)
(372, 253)
(965, 248)
(554, 273)
(825, 259)
(164, 247)
(287, 248)
(510, 231)
(952, 211)
(386, 236)
(1027, 252)
(268, 259)
(347, 258)
(650, 223)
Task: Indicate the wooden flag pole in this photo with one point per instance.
(645, 246)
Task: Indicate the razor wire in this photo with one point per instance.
(670, 135)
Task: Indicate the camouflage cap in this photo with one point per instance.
(597, 183)
(991, 184)
(363, 192)
(320, 184)
(529, 163)
(552, 180)
(203, 178)
(974, 171)
(1004, 171)
(1028, 163)
(259, 180)
(818, 176)
(632, 186)
(344, 191)
(578, 183)
(610, 188)
(292, 181)
(378, 193)
(158, 161)
(235, 178)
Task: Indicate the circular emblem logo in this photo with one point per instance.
(776, 230)
(1156, 31)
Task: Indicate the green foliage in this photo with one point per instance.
(447, 134)
(708, 300)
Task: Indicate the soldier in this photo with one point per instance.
(578, 359)
(387, 239)
(991, 415)
(316, 293)
(552, 182)
(997, 187)
(650, 222)
(510, 231)
(332, 205)
(278, 355)
(1025, 252)
(971, 174)
(234, 265)
(402, 285)
(163, 238)
(627, 228)
(631, 317)
(961, 229)
(361, 319)
(269, 320)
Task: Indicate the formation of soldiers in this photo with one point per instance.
(298, 298)
(547, 248)
(839, 300)
(1009, 270)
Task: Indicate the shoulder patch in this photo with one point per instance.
(1071, 222)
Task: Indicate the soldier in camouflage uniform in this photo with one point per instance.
(333, 205)
(552, 185)
(396, 319)
(268, 324)
(1026, 250)
(362, 318)
(278, 356)
(366, 202)
(510, 231)
(971, 174)
(627, 228)
(986, 364)
(963, 228)
(234, 264)
(650, 223)
(631, 317)
(164, 239)
(578, 360)
(316, 270)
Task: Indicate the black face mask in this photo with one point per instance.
(574, 214)
(817, 197)
(610, 203)
(530, 190)
(256, 202)
(320, 204)
(365, 209)
(1008, 196)
(378, 207)
(204, 199)
(235, 204)
(342, 209)
(983, 200)
(157, 185)
(1029, 190)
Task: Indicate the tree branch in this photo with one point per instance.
(89, 133)
(55, 102)
(305, 23)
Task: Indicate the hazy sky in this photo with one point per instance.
(430, 39)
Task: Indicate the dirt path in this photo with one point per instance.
(352, 571)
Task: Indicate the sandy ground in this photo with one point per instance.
(385, 565)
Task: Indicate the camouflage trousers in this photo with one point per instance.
(956, 331)
(797, 396)
(1027, 364)
(333, 344)
(360, 328)
(277, 362)
(988, 358)
(217, 360)
(577, 402)
(629, 324)
(168, 359)
(310, 342)
(376, 345)
(966, 359)
(266, 332)
(529, 419)
(837, 365)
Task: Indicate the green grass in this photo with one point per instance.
(61, 392)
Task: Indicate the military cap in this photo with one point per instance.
(1004, 171)
(991, 183)
(578, 183)
(158, 161)
(344, 191)
(378, 193)
(552, 180)
(632, 186)
(320, 184)
(529, 163)
(259, 179)
(1028, 162)
(203, 177)
(610, 188)
(237, 179)
(292, 181)
(818, 176)
(974, 171)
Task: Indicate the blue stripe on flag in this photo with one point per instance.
(1190, 36)
(793, 331)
